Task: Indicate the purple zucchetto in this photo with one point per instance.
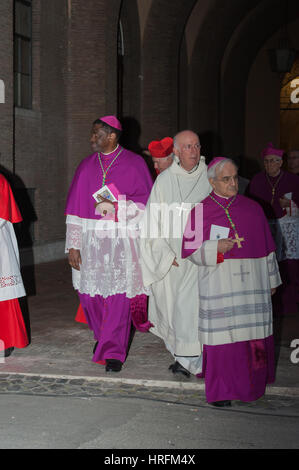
(112, 121)
(270, 150)
(215, 161)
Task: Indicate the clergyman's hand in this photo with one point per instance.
(225, 245)
(104, 206)
(273, 290)
(74, 257)
(174, 263)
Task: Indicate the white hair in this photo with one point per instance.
(215, 169)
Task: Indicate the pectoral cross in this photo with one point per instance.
(238, 240)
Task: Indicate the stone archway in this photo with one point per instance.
(216, 28)
(240, 56)
(220, 67)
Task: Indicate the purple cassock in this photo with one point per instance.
(284, 230)
(243, 212)
(231, 310)
(260, 189)
(129, 173)
(109, 314)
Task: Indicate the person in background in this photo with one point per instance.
(13, 332)
(277, 191)
(293, 161)
(161, 153)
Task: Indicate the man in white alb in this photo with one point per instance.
(173, 302)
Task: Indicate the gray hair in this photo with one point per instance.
(215, 169)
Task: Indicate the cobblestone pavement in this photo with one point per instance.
(82, 388)
(58, 360)
(52, 386)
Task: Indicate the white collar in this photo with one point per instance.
(177, 160)
(223, 197)
(109, 153)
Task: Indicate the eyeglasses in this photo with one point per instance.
(272, 160)
(228, 179)
(189, 147)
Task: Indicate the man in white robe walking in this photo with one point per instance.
(173, 302)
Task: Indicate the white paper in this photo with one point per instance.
(288, 195)
(218, 232)
(104, 192)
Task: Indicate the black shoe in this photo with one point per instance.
(178, 368)
(221, 403)
(95, 347)
(8, 351)
(113, 365)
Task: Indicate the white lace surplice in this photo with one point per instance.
(285, 232)
(11, 284)
(110, 257)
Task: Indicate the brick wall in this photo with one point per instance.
(74, 82)
(41, 132)
(91, 72)
(160, 63)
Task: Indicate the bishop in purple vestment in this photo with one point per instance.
(277, 192)
(237, 273)
(102, 251)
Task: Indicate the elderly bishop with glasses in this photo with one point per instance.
(277, 191)
(237, 273)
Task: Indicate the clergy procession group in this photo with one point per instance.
(186, 257)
